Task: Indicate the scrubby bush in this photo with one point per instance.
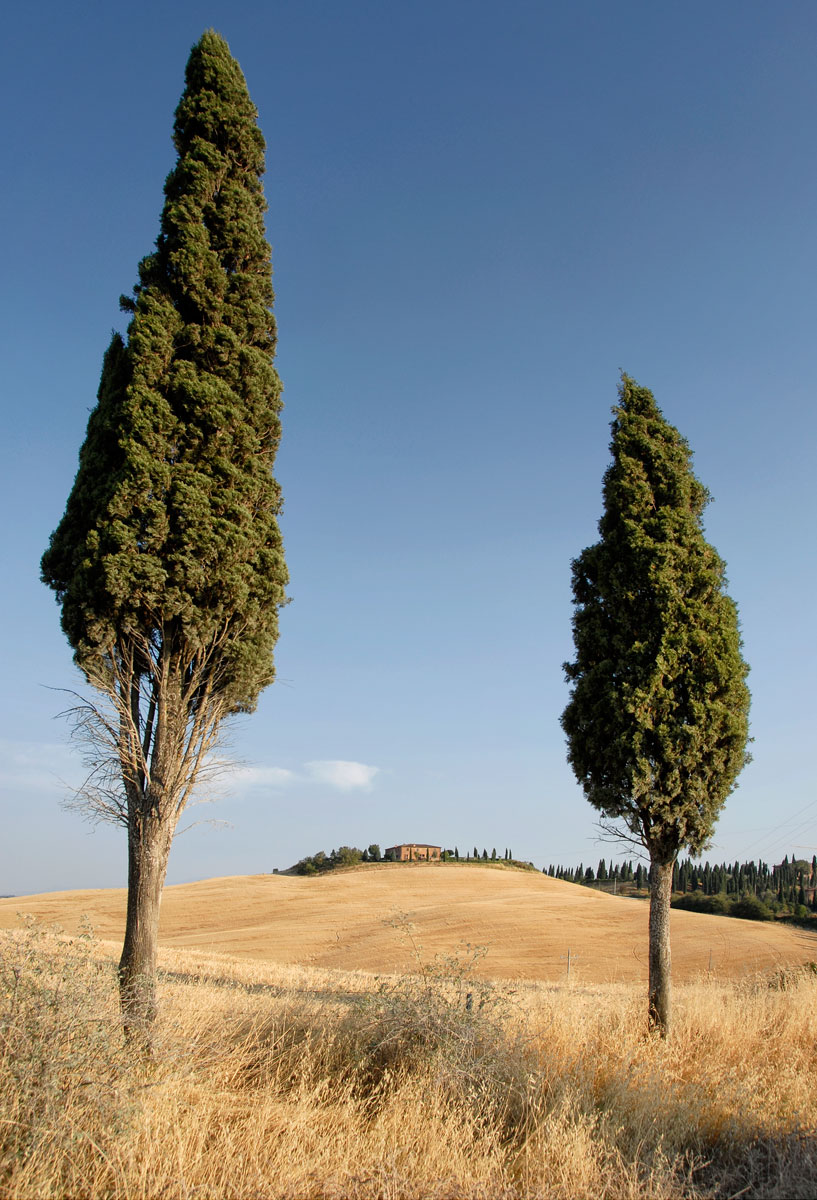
(718, 905)
(749, 908)
(346, 856)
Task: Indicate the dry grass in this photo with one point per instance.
(304, 1083)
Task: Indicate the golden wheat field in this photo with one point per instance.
(527, 921)
(396, 1063)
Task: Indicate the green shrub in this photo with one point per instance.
(750, 908)
(718, 905)
(346, 856)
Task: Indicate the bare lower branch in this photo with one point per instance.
(612, 833)
(214, 823)
(147, 742)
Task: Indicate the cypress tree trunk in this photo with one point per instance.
(660, 960)
(153, 811)
(148, 851)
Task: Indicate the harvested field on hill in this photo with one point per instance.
(359, 919)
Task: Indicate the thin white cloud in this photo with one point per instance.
(263, 776)
(341, 774)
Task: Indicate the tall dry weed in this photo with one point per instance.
(66, 1080)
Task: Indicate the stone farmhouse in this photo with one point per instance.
(413, 852)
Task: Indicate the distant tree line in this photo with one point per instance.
(617, 872)
(752, 890)
(346, 856)
(475, 855)
(749, 889)
(350, 856)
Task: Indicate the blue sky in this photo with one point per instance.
(478, 217)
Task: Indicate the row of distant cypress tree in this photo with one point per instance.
(620, 872)
(476, 856)
(787, 887)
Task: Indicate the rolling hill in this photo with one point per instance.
(359, 919)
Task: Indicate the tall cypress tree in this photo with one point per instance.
(168, 562)
(657, 720)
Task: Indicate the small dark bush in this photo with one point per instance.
(717, 905)
(750, 909)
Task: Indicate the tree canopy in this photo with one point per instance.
(171, 526)
(657, 720)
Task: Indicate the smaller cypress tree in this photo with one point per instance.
(657, 720)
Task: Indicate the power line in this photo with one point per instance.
(782, 825)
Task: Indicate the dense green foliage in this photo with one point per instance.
(657, 720)
(171, 526)
(320, 862)
(748, 908)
